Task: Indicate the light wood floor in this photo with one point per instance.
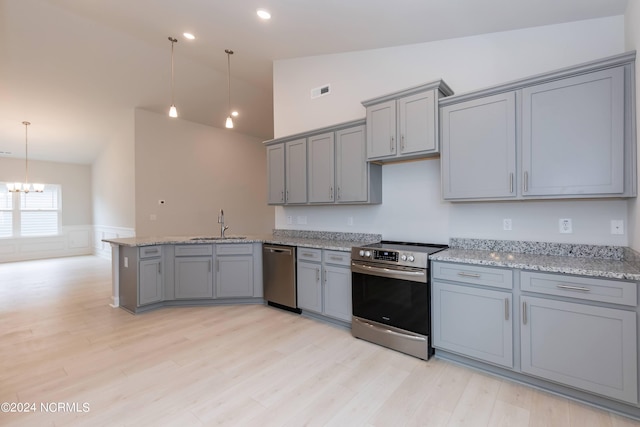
(242, 366)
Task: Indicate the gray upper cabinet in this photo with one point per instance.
(404, 125)
(479, 148)
(296, 171)
(352, 181)
(564, 134)
(323, 166)
(573, 135)
(276, 174)
(587, 347)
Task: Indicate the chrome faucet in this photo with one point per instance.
(221, 222)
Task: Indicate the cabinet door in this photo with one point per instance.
(573, 135)
(194, 277)
(417, 126)
(381, 130)
(309, 287)
(478, 152)
(473, 322)
(321, 168)
(275, 174)
(351, 165)
(234, 276)
(296, 176)
(337, 292)
(587, 347)
(150, 281)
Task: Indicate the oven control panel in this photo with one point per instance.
(385, 255)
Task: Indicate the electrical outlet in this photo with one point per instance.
(289, 219)
(617, 226)
(350, 220)
(126, 262)
(565, 226)
(506, 224)
(302, 220)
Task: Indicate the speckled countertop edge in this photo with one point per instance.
(320, 240)
(582, 266)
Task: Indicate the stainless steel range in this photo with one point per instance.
(391, 295)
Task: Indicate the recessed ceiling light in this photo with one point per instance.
(263, 14)
(188, 36)
(234, 113)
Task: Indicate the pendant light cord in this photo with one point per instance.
(26, 152)
(229, 53)
(173, 40)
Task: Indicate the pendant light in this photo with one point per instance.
(16, 187)
(229, 122)
(173, 112)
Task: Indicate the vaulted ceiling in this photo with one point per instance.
(77, 68)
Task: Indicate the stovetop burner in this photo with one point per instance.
(428, 248)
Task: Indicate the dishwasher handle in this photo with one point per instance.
(277, 249)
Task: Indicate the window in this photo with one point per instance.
(30, 214)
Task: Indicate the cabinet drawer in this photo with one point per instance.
(477, 275)
(150, 251)
(336, 257)
(233, 249)
(586, 288)
(193, 250)
(309, 254)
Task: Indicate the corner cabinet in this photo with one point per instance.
(324, 166)
(404, 125)
(564, 134)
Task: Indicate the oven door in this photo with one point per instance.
(394, 296)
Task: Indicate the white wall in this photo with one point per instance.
(198, 170)
(75, 237)
(412, 208)
(632, 42)
(113, 183)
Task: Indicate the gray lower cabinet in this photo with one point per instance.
(583, 346)
(193, 268)
(473, 322)
(309, 286)
(235, 271)
(573, 131)
(150, 281)
(324, 283)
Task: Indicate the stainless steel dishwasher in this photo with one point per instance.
(279, 276)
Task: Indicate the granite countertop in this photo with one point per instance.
(584, 260)
(311, 239)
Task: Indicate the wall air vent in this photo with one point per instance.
(320, 91)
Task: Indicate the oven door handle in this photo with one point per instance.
(418, 275)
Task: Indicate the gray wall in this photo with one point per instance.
(197, 170)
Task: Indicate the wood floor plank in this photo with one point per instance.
(249, 365)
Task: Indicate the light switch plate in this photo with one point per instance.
(506, 224)
(617, 226)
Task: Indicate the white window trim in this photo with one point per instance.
(16, 217)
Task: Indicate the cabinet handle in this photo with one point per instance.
(524, 313)
(339, 195)
(317, 274)
(511, 182)
(209, 266)
(463, 274)
(336, 258)
(331, 193)
(159, 268)
(286, 198)
(325, 275)
(217, 266)
(402, 143)
(282, 196)
(392, 144)
(307, 254)
(506, 309)
(153, 251)
(574, 288)
(526, 181)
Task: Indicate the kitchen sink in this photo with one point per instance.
(219, 238)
